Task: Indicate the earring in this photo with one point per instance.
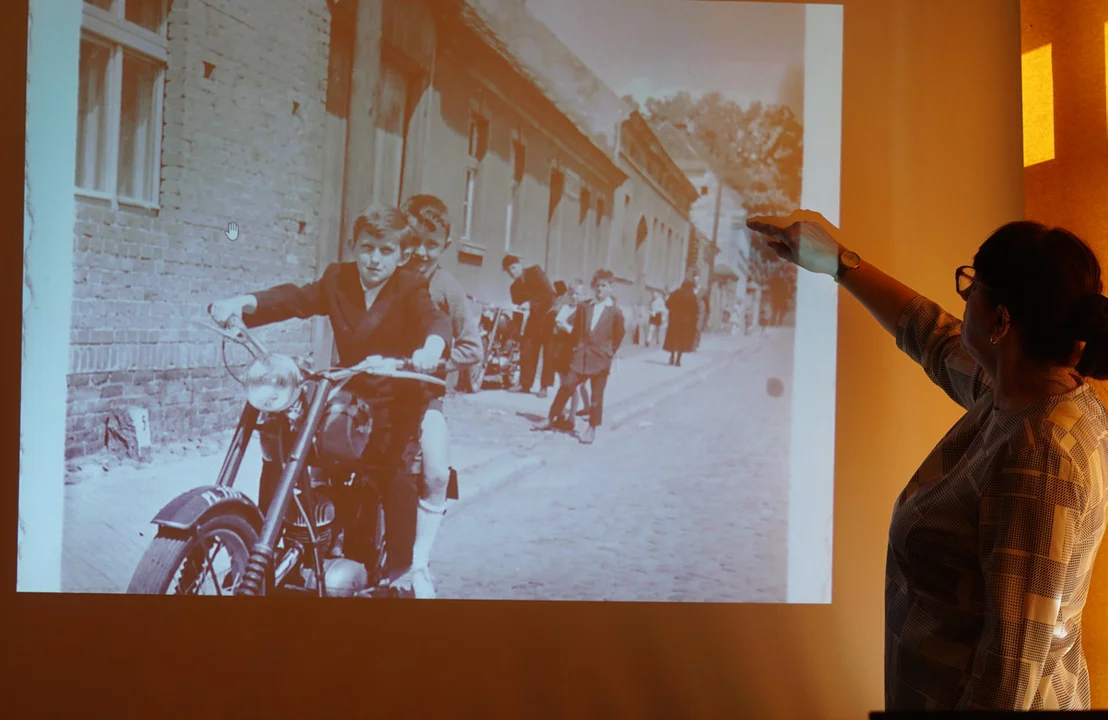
(994, 340)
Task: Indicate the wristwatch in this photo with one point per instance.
(848, 260)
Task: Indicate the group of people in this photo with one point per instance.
(576, 331)
(674, 320)
(394, 299)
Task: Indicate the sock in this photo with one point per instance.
(428, 518)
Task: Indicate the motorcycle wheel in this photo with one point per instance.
(182, 563)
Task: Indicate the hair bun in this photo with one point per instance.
(1091, 316)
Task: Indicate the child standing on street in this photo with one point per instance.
(564, 308)
(598, 330)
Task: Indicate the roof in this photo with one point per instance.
(534, 51)
(691, 155)
(637, 122)
(575, 90)
(680, 147)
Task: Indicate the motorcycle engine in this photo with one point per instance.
(323, 519)
(342, 577)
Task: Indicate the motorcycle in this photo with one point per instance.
(501, 329)
(323, 532)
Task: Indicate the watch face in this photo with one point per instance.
(850, 259)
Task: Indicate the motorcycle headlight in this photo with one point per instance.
(272, 382)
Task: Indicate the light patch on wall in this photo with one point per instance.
(1038, 106)
(1106, 64)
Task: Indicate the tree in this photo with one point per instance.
(759, 150)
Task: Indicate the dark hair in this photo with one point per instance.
(509, 260)
(380, 221)
(602, 275)
(1049, 280)
(427, 212)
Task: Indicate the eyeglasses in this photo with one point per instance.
(964, 281)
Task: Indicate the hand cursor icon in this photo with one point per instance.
(232, 231)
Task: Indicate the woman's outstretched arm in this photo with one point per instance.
(805, 239)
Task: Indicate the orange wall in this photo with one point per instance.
(931, 163)
(1072, 190)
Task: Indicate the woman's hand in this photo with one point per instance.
(804, 238)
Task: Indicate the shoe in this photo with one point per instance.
(589, 435)
(415, 583)
(401, 588)
(543, 393)
(423, 587)
(544, 426)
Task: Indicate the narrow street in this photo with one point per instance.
(687, 503)
(686, 500)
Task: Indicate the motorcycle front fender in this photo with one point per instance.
(189, 509)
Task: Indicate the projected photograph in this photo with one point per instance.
(445, 299)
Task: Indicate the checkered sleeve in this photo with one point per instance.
(1030, 514)
(933, 338)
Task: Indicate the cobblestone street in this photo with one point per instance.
(686, 503)
(652, 511)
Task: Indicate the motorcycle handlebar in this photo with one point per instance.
(390, 367)
(235, 329)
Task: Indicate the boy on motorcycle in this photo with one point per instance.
(428, 214)
(376, 307)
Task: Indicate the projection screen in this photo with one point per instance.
(638, 398)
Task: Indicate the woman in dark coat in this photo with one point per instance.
(684, 309)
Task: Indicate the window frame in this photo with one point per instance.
(474, 160)
(1038, 105)
(110, 28)
(515, 187)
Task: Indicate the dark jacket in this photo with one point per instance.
(533, 286)
(398, 324)
(593, 349)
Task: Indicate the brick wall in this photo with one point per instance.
(233, 149)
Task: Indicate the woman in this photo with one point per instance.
(683, 309)
(992, 542)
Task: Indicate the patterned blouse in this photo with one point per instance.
(992, 542)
